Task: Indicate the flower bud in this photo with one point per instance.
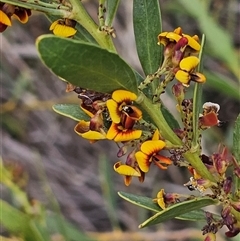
(227, 185)
(122, 151)
(236, 205)
(178, 90)
(225, 211)
(179, 51)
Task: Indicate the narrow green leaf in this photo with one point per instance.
(19, 223)
(223, 84)
(197, 101)
(236, 139)
(172, 122)
(178, 210)
(72, 233)
(141, 201)
(111, 9)
(147, 203)
(147, 26)
(72, 111)
(86, 65)
(236, 151)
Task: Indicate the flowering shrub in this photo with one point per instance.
(118, 104)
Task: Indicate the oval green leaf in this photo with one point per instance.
(147, 25)
(86, 65)
(72, 111)
(178, 210)
(147, 203)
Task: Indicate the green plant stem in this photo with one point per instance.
(62, 13)
(168, 134)
(197, 94)
(159, 120)
(80, 15)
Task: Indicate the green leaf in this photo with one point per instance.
(147, 203)
(72, 111)
(71, 233)
(236, 139)
(172, 122)
(111, 10)
(19, 223)
(236, 151)
(177, 210)
(147, 26)
(222, 84)
(86, 65)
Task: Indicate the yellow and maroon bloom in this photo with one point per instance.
(186, 72)
(164, 199)
(8, 10)
(92, 130)
(129, 169)
(63, 27)
(209, 117)
(83, 129)
(149, 154)
(170, 39)
(118, 133)
(121, 109)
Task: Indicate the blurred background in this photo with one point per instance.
(69, 182)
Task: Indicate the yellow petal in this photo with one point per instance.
(93, 135)
(121, 96)
(162, 38)
(143, 161)
(115, 114)
(64, 31)
(151, 147)
(192, 42)
(178, 30)
(112, 131)
(183, 77)
(156, 135)
(53, 25)
(173, 36)
(128, 135)
(160, 199)
(125, 170)
(189, 63)
(4, 19)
